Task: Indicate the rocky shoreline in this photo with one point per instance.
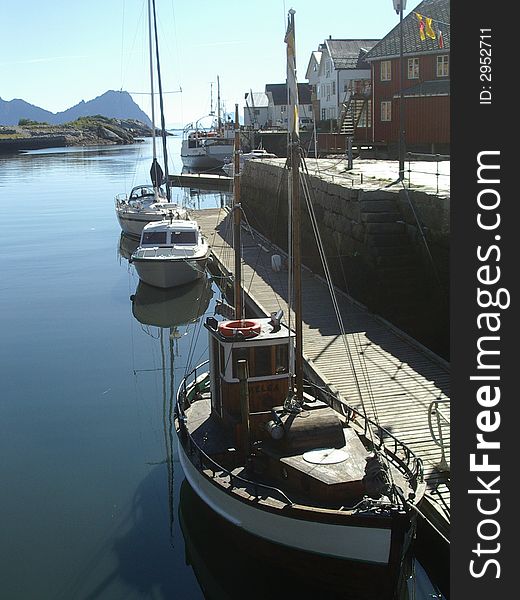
(86, 131)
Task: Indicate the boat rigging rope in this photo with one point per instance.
(423, 237)
(332, 292)
(337, 311)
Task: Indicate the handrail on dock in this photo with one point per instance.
(442, 421)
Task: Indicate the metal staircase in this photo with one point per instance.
(355, 104)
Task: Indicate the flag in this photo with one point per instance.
(441, 40)
(292, 84)
(421, 26)
(425, 27)
(429, 29)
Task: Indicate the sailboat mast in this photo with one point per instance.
(163, 126)
(294, 166)
(150, 44)
(237, 222)
(219, 120)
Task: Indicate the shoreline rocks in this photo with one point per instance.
(86, 131)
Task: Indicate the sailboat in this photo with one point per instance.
(150, 202)
(203, 149)
(172, 251)
(286, 460)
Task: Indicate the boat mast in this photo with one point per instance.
(294, 186)
(163, 126)
(154, 171)
(219, 120)
(237, 222)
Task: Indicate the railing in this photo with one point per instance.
(442, 421)
(409, 464)
(435, 158)
(399, 454)
(203, 461)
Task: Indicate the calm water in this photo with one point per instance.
(93, 502)
(86, 509)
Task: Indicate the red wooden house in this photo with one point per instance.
(426, 83)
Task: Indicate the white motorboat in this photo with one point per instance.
(229, 168)
(144, 205)
(171, 253)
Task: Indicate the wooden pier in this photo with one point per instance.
(203, 181)
(405, 386)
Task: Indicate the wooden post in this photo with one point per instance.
(237, 223)
(243, 374)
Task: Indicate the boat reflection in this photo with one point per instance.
(127, 246)
(172, 307)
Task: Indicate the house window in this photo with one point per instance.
(328, 66)
(386, 110)
(413, 68)
(323, 114)
(386, 70)
(283, 108)
(333, 88)
(443, 66)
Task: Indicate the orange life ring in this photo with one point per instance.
(248, 328)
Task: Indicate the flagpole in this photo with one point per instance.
(401, 99)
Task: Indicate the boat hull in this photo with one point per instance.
(226, 558)
(368, 545)
(132, 224)
(209, 157)
(168, 273)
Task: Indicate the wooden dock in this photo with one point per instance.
(406, 385)
(202, 181)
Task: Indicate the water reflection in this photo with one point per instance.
(231, 564)
(127, 245)
(171, 307)
(145, 550)
(103, 160)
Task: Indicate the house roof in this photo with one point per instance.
(349, 54)
(279, 92)
(257, 99)
(436, 87)
(315, 57)
(389, 46)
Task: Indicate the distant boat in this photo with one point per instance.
(171, 253)
(207, 149)
(229, 168)
(148, 203)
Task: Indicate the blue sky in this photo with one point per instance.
(57, 53)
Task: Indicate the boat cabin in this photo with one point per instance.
(267, 346)
(286, 446)
(172, 233)
(144, 192)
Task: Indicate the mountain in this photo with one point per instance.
(14, 110)
(112, 104)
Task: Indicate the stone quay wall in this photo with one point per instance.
(388, 248)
